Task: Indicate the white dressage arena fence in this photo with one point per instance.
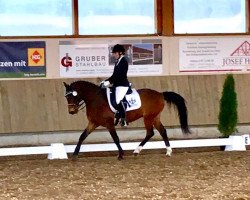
(59, 150)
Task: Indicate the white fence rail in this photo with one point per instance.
(59, 150)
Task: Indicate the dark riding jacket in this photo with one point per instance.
(119, 76)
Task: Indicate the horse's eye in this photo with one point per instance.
(74, 93)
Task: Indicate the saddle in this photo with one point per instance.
(131, 100)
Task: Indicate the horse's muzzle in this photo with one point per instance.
(72, 109)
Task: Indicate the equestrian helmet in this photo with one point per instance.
(118, 48)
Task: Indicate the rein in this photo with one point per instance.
(80, 106)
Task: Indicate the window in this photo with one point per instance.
(39, 17)
(122, 17)
(110, 17)
(211, 16)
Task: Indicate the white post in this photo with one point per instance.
(238, 143)
(57, 151)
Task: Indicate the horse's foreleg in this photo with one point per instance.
(150, 133)
(86, 132)
(80, 141)
(158, 125)
(117, 142)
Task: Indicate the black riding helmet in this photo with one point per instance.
(118, 48)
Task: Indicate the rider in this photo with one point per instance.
(120, 81)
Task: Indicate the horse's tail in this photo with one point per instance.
(179, 102)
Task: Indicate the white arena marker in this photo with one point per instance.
(57, 151)
(238, 143)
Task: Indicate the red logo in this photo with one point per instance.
(66, 61)
(242, 50)
(36, 57)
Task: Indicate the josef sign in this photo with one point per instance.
(214, 54)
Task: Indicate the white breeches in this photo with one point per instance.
(120, 92)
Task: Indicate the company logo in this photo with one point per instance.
(132, 101)
(242, 50)
(66, 61)
(239, 57)
(36, 57)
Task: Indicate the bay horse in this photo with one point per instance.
(99, 113)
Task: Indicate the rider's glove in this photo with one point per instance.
(105, 83)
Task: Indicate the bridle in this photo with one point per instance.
(81, 104)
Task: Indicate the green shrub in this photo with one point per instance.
(228, 117)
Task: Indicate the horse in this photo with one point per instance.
(98, 112)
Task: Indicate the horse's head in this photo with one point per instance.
(74, 100)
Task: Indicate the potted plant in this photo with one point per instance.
(228, 116)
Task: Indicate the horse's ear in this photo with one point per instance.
(65, 84)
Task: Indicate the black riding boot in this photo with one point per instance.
(122, 114)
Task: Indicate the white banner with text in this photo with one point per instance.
(214, 54)
(95, 60)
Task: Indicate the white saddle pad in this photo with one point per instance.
(133, 99)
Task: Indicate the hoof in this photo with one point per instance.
(168, 154)
(137, 150)
(120, 157)
(169, 151)
(74, 157)
(135, 154)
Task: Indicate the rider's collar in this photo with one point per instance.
(119, 59)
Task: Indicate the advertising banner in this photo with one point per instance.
(214, 54)
(95, 60)
(22, 59)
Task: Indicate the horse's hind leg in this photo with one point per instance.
(158, 125)
(150, 133)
